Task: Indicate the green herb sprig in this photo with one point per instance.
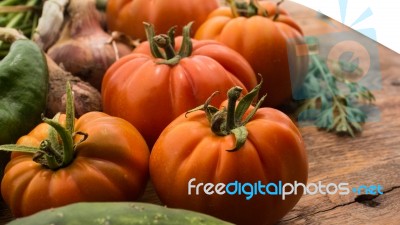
(332, 108)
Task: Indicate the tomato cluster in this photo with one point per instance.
(158, 119)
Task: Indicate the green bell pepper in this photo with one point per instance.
(23, 88)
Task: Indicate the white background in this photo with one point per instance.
(385, 18)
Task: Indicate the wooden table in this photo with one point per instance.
(371, 158)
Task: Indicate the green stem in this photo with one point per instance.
(230, 121)
(218, 123)
(27, 18)
(46, 147)
(66, 134)
(66, 137)
(324, 75)
(233, 96)
(171, 35)
(167, 43)
(22, 17)
(53, 136)
(322, 69)
(101, 5)
(338, 106)
(20, 14)
(35, 21)
(15, 20)
(52, 162)
(241, 8)
(164, 41)
(316, 61)
(70, 111)
(206, 107)
(150, 33)
(234, 10)
(53, 158)
(9, 2)
(252, 8)
(187, 46)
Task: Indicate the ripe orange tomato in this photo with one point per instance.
(110, 165)
(220, 147)
(273, 44)
(128, 16)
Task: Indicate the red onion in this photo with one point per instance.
(84, 48)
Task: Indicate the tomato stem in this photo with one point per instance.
(187, 45)
(67, 141)
(166, 42)
(233, 96)
(232, 5)
(47, 147)
(252, 8)
(150, 33)
(218, 123)
(230, 120)
(53, 158)
(209, 109)
(70, 110)
(242, 8)
(66, 132)
(171, 35)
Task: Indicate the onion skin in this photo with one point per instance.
(47, 33)
(84, 48)
(86, 97)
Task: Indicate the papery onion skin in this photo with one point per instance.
(84, 48)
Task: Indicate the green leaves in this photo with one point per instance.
(332, 101)
(20, 15)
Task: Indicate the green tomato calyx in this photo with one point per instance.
(251, 8)
(166, 42)
(230, 120)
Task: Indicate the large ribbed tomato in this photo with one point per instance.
(201, 151)
(273, 45)
(128, 15)
(150, 91)
(111, 164)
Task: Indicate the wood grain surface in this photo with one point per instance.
(371, 158)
